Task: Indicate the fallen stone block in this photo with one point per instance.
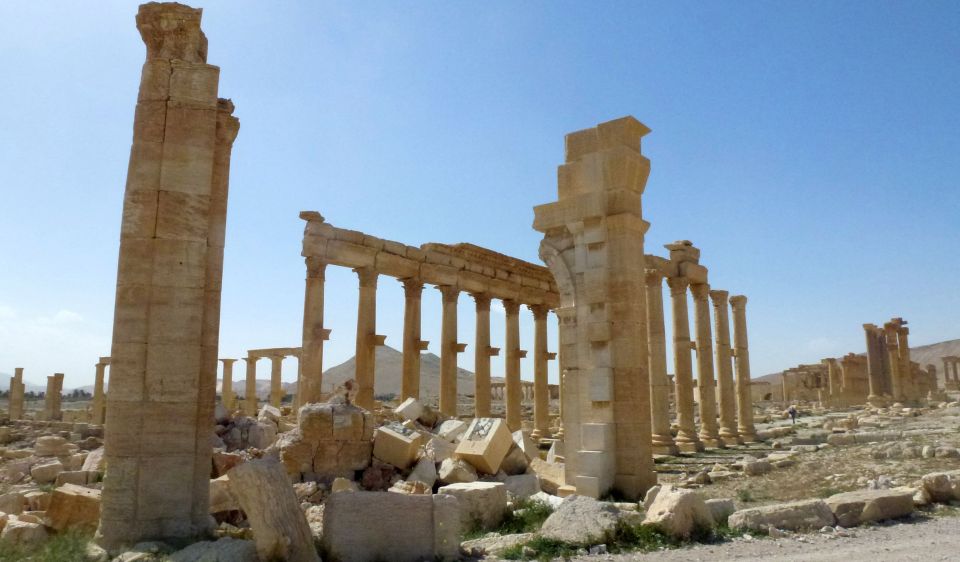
(793, 516)
(425, 471)
(757, 467)
(485, 444)
(226, 549)
(261, 435)
(721, 509)
(22, 533)
(455, 471)
(46, 472)
(73, 507)
(552, 475)
(942, 486)
(580, 520)
(279, 527)
(12, 503)
(269, 413)
(51, 446)
(678, 512)
(410, 409)
(418, 527)
(77, 477)
(411, 487)
(37, 500)
(495, 545)
(862, 506)
(221, 497)
(343, 485)
(515, 462)
(451, 430)
(522, 485)
(482, 504)
(396, 445)
(526, 444)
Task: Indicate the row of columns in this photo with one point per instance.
(733, 422)
(249, 406)
(367, 340)
(951, 371)
(527, 390)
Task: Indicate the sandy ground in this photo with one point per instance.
(925, 538)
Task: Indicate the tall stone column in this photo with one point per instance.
(482, 354)
(874, 365)
(448, 351)
(365, 357)
(833, 382)
(727, 390)
(893, 360)
(561, 366)
(907, 383)
(514, 388)
(276, 384)
(662, 438)
(16, 394)
(709, 429)
(310, 380)
(741, 356)
(226, 388)
(412, 346)
(51, 402)
(687, 439)
(98, 408)
(541, 387)
(166, 315)
(250, 388)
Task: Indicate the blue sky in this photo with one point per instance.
(808, 148)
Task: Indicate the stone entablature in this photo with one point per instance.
(467, 267)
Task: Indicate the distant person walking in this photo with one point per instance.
(792, 410)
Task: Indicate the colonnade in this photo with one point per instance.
(951, 372)
(276, 355)
(889, 368)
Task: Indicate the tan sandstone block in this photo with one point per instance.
(155, 81)
(139, 214)
(143, 171)
(172, 372)
(168, 493)
(397, 445)
(180, 264)
(149, 119)
(72, 507)
(183, 216)
(194, 83)
(186, 168)
(130, 361)
(177, 435)
(130, 315)
(485, 444)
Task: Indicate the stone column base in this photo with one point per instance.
(713, 443)
(670, 449)
(691, 447)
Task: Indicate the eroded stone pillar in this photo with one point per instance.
(166, 317)
(98, 407)
(17, 390)
(365, 357)
(310, 379)
(448, 351)
(53, 397)
(482, 354)
(250, 388)
(893, 360)
(412, 346)
(226, 387)
(726, 388)
(513, 386)
(709, 430)
(874, 365)
(662, 438)
(687, 439)
(741, 356)
(541, 388)
(907, 382)
(276, 383)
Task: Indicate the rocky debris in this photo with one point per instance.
(331, 440)
(526, 444)
(404, 487)
(863, 506)
(12, 503)
(94, 461)
(397, 445)
(53, 446)
(482, 504)
(438, 449)
(455, 471)
(678, 512)
(551, 475)
(20, 532)
(223, 550)
(580, 520)
(757, 467)
(224, 461)
(485, 444)
(425, 471)
(72, 507)
(343, 485)
(221, 497)
(515, 462)
(417, 527)
(451, 430)
(45, 472)
(793, 516)
(942, 486)
(494, 545)
(279, 527)
(522, 485)
(721, 509)
(410, 409)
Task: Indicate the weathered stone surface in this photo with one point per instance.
(221, 497)
(526, 444)
(261, 434)
(223, 462)
(438, 449)
(494, 545)
(485, 444)
(551, 475)
(224, 550)
(397, 445)
(12, 503)
(46, 472)
(410, 409)
(515, 462)
(425, 471)
(580, 520)
(482, 504)
(94, 460)
(862, 506)
(522, 485)
(73, 506)
(455, 471)
(51, 446)
(343, 485)
(412, 487)
(266, 497)
(942, 486)
(756, 468)
(451, 430)
(430, 527)
(721, 509)
(678, 512)
(22, 533)
(806, 514)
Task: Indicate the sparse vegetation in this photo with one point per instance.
(67, 547)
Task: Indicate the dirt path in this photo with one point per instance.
(925, 539)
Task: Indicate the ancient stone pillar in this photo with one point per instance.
(833, 383)
(53, 398)
(365, 357)
(709, 430)
(98, 407)
(482, 354)
(908, 385)
(593, 244)
(893, 360)
(276, 384)
(166, 317)
(561, 366)
(448, 351)
(226, 387)
(687, 439)
(513, 386)
(16, 393)
(310, 380)
(726, 388)
(541, 388)
(250, 389)
(741, 356)
(874, 365)
(410, 382)
(661, 437)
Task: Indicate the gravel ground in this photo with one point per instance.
(925, 539)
